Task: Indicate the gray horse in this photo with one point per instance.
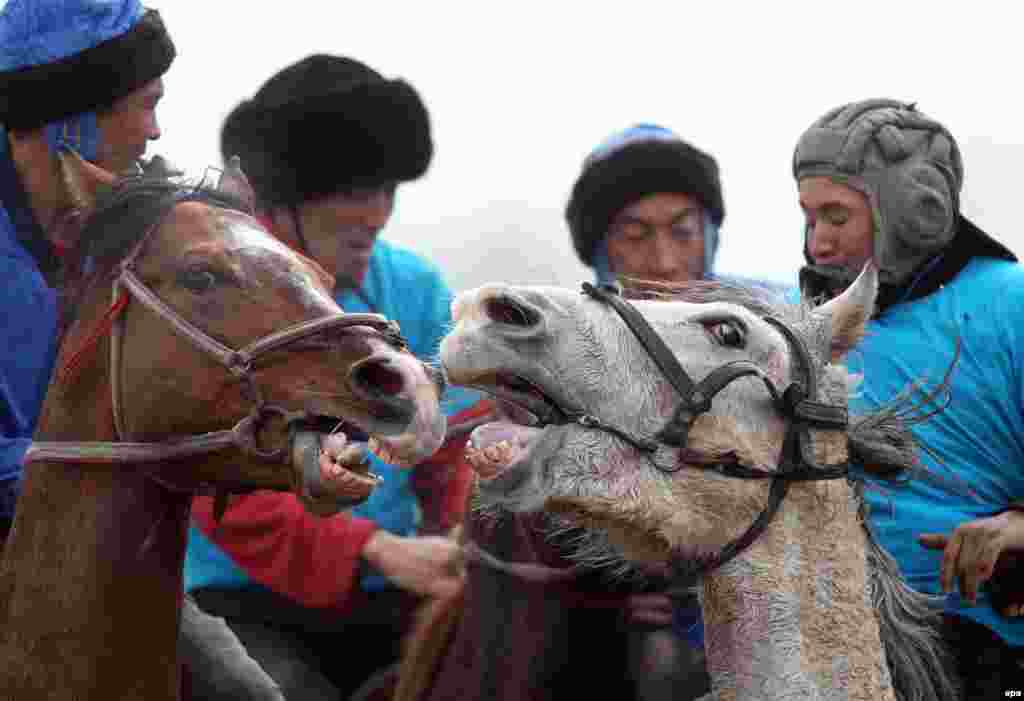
(806, 604)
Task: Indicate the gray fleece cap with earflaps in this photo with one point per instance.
(907, 164)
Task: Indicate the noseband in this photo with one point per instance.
(239, 362)
(796, 403)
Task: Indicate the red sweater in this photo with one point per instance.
(315, 561)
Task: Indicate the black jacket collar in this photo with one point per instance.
(970, 242)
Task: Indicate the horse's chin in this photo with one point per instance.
(635, 528)
(625, 524)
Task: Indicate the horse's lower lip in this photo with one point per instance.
(507, 481)
(498, 446)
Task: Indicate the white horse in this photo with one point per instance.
(742, 484)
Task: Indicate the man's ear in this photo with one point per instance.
(849, 312)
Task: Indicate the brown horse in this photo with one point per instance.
(531, 624)
(214, 324)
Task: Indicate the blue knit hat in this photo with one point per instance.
(60, 58)
(629, 165)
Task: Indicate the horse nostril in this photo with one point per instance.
(379, 376)
(506, 310)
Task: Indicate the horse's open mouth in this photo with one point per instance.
(524, 411)
(333, 458)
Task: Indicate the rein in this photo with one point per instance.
(239, 362)
(796, 403)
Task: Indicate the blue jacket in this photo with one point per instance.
(403, 286)
(27, 335)
(979, 437)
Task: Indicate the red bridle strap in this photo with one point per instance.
(70, 369)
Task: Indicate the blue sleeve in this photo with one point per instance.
(27, 345)
(435, 317)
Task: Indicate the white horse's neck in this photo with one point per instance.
(790, 617)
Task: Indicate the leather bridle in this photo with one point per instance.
(796, 403)
(239, 362)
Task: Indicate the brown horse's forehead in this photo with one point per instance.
(194, 230)
(228, 231)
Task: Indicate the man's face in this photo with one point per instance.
(341, 229)
(659, 238)
(840, 229)
(127, 126)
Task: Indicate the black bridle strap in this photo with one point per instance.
(798, 400)
(796, 462)
(655, 347)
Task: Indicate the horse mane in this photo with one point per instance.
(122, 216)
(125, 213)
(882, 446)
(763, 301)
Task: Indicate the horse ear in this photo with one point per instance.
(233, 181)
(82, 180)
(849, 312)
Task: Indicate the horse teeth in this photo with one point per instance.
(500, 452)
(506, 451)
(354, 455)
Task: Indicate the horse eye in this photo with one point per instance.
(198, 280)
(727, 334)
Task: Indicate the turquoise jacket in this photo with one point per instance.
(403, 286)
(979, 437)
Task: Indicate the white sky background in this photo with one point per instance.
(520, 92)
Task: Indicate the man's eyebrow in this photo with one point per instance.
(673, 217)
(826, 204)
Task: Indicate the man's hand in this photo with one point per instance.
(425, 565)
(971, 552)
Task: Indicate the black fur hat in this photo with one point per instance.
(630, 165)
(328, 124)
